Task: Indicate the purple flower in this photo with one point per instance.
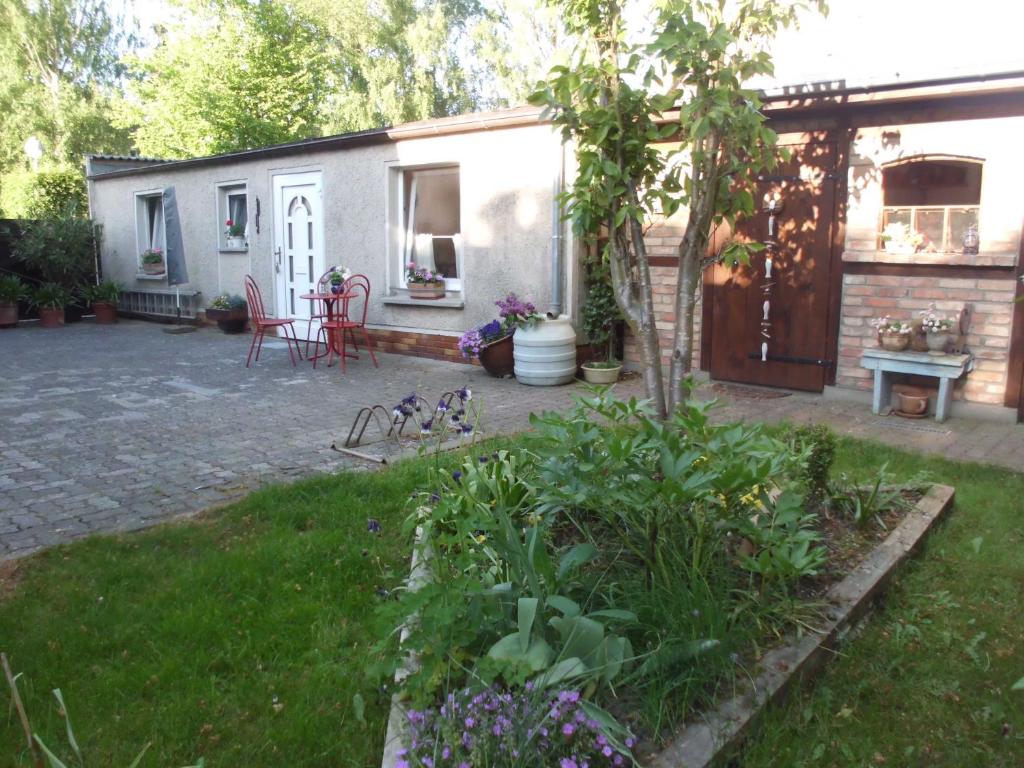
(568, 729)
(373, 525)
(457, 476)
(484, 460)
(567, 762)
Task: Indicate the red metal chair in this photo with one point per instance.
(260, 323)
(323, 285)
(348, 324)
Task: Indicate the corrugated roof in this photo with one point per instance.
(127, 158)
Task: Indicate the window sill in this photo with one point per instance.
(448, 302)
(234, 250)
(143, 276)
(983, 259)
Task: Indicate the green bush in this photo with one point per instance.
(43, 194)
(819, 443)
(62, 248)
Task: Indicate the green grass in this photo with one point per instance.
(184, 635)
(927, 682)
(187, 635)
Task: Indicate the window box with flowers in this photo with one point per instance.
(423, 283)
(234, 234)
(153, 262)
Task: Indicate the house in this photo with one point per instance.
(939, 156)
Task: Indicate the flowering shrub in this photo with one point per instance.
(502, 729)
(228, 301)
(414, 274)
(471, 342)
(516, 313)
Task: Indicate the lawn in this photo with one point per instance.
(240, 636)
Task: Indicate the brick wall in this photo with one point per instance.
(417, 344)
(662, 242)
(902, 297)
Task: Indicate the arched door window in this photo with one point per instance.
(932, 201)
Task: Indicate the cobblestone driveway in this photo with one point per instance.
(107, 428)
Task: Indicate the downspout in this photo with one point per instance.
(556, 305)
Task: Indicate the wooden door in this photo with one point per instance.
(769, 323)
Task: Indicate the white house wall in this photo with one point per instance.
(506, 180)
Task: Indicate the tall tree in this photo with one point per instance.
(622, 103)
(59, 72)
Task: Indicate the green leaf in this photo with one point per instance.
(52, 759)
(976, 543)
(359, 705)
(1018, 686)
(564, 605)
(67, 724)
(138, 758)
(527, 614)
(575, 557)
(563, 670)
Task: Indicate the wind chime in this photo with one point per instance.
(773, 207)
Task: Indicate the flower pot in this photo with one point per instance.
(497, 357)
(546, 352)
(602, 374)
(153, 269)
(913, 406)
(8, 315)
(234, 242)
(937, 342)
(894, 342)
(336, 287)
(105, 312)
(433, 290)
(919, 340)
(51, 317)
(228, 320)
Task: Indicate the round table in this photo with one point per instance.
(334, 312)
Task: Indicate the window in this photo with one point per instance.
(431, 223)
(937, 199)
(149, 222)
(233, 206)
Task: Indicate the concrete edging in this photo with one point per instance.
(699, 744)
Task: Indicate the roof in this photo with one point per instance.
(785, 102)
(126, 158)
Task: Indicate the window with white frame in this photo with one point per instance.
(233, 207)
(150, 228)
(933, 202)
(431, 223)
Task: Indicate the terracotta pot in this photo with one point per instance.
(153, 269)
(427, 290)
(894, 342)
(8, 315)
(937, 342)
(105, 312)
(497, 357)
(601, 375)
(911, 405)
(229, 320)
(51, 317)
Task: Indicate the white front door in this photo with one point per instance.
(299, 243)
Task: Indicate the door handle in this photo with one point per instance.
(277, 259)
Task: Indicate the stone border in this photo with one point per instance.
(701, 744)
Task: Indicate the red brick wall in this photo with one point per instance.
(902, 297)
(663, 241)
(417, 344)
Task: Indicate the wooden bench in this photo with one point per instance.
(947, 368)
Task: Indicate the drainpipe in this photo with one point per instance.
(557, 240)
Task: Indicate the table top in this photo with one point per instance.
(327, 296)
(910, 361)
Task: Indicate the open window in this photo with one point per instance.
(431, 223)
(150, 226)
(934, 201)
(233, 206)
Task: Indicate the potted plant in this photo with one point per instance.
(153, 261)
(939, 330)
(50, 299)
(234, 234)
(103, 298)
(12, 290)
(337, 278)
(423, 283)
(491, 344)
(898, 237)
(599, 315)
(893, 335)
(229, 311)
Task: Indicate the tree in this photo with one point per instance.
(618, 102)
(59, 71)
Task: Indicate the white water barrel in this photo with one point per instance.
(545, 355)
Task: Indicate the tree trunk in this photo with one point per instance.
(686, 301)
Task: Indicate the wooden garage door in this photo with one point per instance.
(769, 325)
